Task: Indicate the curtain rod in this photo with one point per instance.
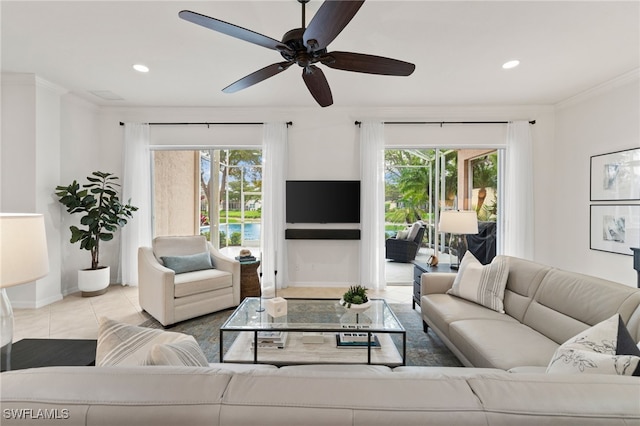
(288, 123)
(441, 123)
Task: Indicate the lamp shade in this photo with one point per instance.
(23, 248)
(459, 222)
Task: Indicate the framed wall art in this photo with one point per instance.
(615, 228)
(616, 176)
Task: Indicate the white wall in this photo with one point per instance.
(30, 163)
(323, 144)
(81, 153)
(603, 120)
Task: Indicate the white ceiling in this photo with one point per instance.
(458, 48)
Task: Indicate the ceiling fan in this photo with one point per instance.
(306, 47)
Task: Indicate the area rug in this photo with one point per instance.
(423, 349)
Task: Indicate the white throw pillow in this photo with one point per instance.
(605, 348)
(402, 235)
(482, 284)
(413, 231)
(125, 344)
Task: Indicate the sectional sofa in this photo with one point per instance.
(543, 308)
(313, 395)
(539, 303)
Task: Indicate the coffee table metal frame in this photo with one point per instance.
(256, 321)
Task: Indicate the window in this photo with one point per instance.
(226, 208)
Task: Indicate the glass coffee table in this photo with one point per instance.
(314, 331)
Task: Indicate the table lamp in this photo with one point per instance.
(459, 223)
(23, 259)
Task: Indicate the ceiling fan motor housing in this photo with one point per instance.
(299, 53)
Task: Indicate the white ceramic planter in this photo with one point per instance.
(94, 282)
(356, 308)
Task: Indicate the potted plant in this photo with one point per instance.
(102, 214)
(356, 299)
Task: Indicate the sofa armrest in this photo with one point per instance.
(156, 286)
(225, 263)
(436, 282)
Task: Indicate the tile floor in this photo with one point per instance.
(76, 317)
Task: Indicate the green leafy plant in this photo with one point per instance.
(102, 211)
(356, 295)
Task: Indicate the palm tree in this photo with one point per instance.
(485, 175)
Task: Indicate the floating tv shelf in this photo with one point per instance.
(322, 234)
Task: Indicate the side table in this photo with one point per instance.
(420, 268)
(249, 280)
(32, 353)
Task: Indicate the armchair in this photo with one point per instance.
(172, 297)
(405, 249)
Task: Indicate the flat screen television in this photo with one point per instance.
(323, 201)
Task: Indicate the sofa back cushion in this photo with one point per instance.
(568, 303)
(179, 246)
(523, 282)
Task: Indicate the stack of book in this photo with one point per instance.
(271, 339)
(356, 338)
(248, 258)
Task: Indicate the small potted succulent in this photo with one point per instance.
(356, 299)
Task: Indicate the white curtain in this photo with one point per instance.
(518, 209)
(372, 205)
(136, 185)
(274, 174)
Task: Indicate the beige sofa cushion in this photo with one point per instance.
(442, 310)
(501, 344)
(179, 246)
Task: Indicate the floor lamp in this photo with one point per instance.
(459, 223)
(23, 259)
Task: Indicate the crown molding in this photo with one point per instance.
(27, 79)
(622, 80)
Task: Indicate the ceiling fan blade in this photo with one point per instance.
(317, 84)
(369, 64)
(328, 22)
(257, 77)
(232, 30)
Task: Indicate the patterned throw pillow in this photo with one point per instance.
(482, 284)
(186, 352)
(124, 344)
(605, 348)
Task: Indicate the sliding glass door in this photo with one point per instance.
(421, 183)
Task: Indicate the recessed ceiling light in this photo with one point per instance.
(511, 64)
(141, 68)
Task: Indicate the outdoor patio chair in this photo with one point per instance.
(405, 249)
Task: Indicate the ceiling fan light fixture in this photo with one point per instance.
(141, 68)
(510, 64)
